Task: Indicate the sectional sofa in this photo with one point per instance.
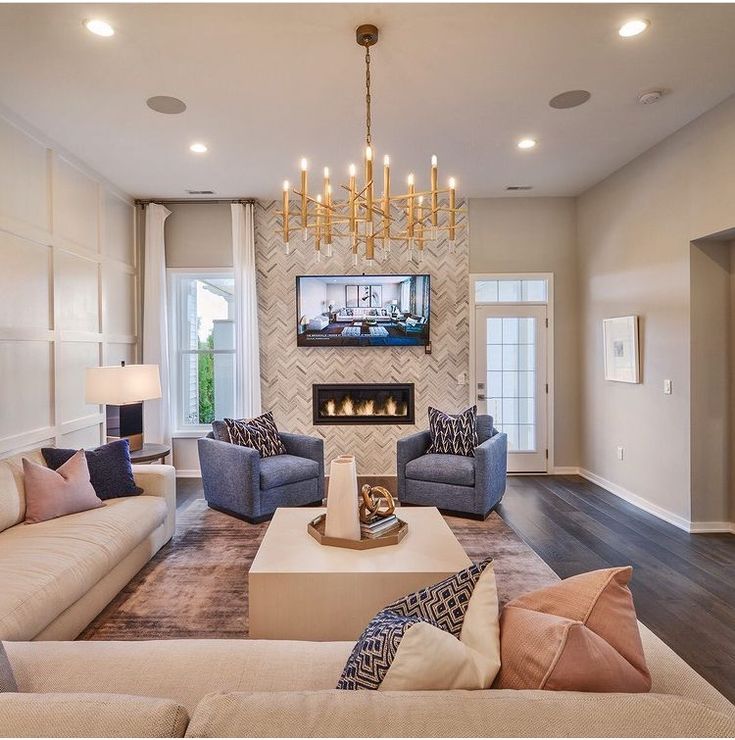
(56, 576)
(220, 688)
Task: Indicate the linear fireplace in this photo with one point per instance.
(363, 403)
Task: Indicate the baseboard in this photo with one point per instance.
(641, 503)
(188, 473)
(658, 511)
(562, 470)
(712, 527)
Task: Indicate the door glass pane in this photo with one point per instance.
(509, 291)
(533, 290)
(511, 379)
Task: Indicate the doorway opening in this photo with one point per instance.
(511, 351)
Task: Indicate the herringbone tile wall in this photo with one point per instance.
(288, 371)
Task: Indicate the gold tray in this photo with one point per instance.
(316, 529)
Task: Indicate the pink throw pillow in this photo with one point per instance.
(578, 635)
(54, 493)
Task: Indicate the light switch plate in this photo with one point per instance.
(667, 386)
(620, 452)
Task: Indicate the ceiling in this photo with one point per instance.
(268, 84)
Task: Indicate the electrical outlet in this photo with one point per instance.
(667, 387)
(462, 379)
(620, 452)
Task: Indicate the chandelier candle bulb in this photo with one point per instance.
(385, 205)
(452, 210)
(285, 214)
(304, 198)
(352, 210)
(410, 208)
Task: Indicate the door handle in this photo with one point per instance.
(481, 397)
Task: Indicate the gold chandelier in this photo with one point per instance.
(364, 218)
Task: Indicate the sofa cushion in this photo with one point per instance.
(155, 668)
(454, 714)
(12, 490)
(7, 679)
(457, 470)
(46, 567)
(219, 431)
(282, 469)
(110, 468)
(578, 635)
(444, 636)
(54, 493)
(90, 715)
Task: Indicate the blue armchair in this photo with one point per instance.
(466, 486)
(238, 481)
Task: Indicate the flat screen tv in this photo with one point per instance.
(363, 310)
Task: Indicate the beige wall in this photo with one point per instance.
(510, 235)
(710, 282)
(199, 235)
(68, 290)
(634, 235)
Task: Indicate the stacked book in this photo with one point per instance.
(379, 527)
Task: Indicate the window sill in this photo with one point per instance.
(191, 433)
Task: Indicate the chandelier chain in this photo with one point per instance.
(367, 95)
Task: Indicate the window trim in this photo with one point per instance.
(174, 275)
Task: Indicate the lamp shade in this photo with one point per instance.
(121, 384)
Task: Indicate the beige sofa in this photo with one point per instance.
(56, 576)
(214, 688)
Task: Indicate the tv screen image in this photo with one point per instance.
(363, 310)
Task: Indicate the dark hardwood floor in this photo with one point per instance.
(683, 584)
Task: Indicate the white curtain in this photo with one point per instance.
(156, 414)
(247, 347)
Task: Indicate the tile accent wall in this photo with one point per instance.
(288, 371)
(68, 292)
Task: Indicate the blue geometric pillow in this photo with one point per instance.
(417, 642)
(375, 651)
(453, 435)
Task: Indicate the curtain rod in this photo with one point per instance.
(163, 201)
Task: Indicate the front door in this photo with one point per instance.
(511, 382)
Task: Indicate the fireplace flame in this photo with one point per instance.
(349, 407)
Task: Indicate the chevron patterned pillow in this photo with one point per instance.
(260, 433)
(453, 435)
(445, 636)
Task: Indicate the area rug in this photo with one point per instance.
(196, 586)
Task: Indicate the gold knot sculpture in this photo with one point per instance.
(376, 502)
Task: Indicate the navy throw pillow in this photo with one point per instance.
(110, 469)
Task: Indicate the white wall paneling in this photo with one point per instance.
(68, 291)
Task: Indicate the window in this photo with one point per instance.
(203, 338)
(511, 291)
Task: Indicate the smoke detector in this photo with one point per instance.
(519, 187)
(650, 96)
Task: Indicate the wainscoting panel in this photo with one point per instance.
(52, 295)
(288, 371)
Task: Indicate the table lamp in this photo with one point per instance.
(123, 388)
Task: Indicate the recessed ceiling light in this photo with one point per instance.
(99, 27)
(166, 104)
(526, 144)
(633, 28)
(198, 148)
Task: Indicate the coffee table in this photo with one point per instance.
(301, 590)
